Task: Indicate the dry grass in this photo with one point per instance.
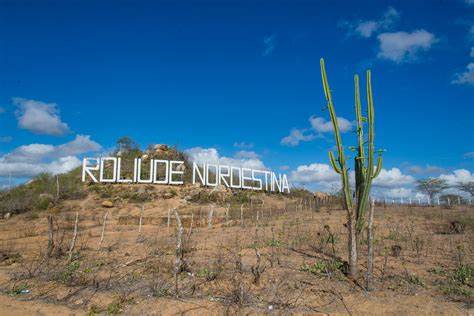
(290, 261)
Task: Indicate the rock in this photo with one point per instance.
(159, 148)
(107, 204)
(7, 215)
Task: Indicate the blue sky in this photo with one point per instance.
(237, 80)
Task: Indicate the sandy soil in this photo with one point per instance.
(123, 274)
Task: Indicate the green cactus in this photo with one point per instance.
(364, 169)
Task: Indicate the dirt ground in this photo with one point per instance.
(282, 257)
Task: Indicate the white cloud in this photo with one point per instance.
(269, 43)
(367, 28)
(39, 117)
(428, 169)
(81, 144)
(296, 136)
(284, 167)
(211, 155)
(466, 77)
(29, 153)
(402, 46)
(319, 124)
(243, 145)
(63, 164)
(317, 173)
(30, 160)
(25, 169)
(392, 178)
(399, 193)
(245, 154)
(459, 175)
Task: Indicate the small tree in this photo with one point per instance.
(125, 145)
(431, 186)
(467, 187)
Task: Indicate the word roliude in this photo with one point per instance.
(171, 172)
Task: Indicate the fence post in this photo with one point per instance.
(242, 214)
(179, 251)
(50, 235)
(140, 221)
(169, 220)
(103, 228)
(227, 212)
(57, 187)
(209, 218)
(74, 236)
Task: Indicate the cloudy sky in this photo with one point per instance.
(238, 82)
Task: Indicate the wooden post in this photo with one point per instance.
(140, 221)
(242, 214)
(74, 236)
(179, 251)
(209, 217)
(103, 228)
(370, 244)
(257, 219)
(191, 225)
(50, 236)
(57, 187)
(227, 212)
(169, 220)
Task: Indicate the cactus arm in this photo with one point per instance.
(358, 110)
(337, 135)
(334, 163)
(378, 168)
(360, 172)
(362, 203)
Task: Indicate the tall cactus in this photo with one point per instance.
(365, 171)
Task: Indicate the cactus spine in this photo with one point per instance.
(363, 162)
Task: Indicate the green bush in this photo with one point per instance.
(464, 274)
(41, 192)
